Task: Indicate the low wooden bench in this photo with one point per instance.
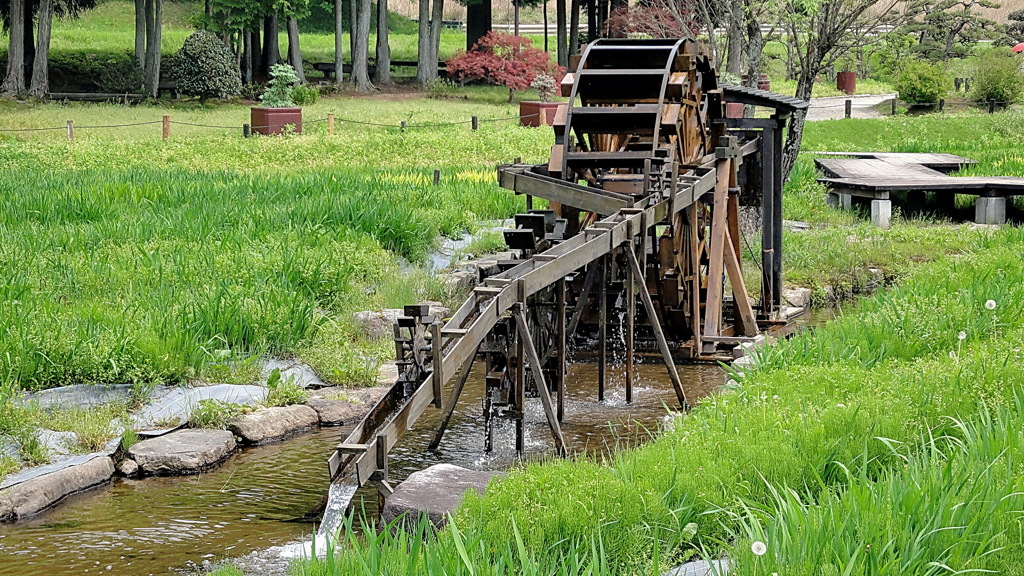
(877, 175)
(328, 69)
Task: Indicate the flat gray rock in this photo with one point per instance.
(273, 424)
(80, 395)
(31, 473)
(187, 451)
(718, 567)
(39, 493)
(170, 407)
(436, 491)
(336, 412)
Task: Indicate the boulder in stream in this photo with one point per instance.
(435, 491)
(272, 424)
(33, 496)
(187, 451)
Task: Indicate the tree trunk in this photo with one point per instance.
(271, 44)
(755, 47)
(208, 9)
(154, 17)
(14, 82)
(353, 18)
(383, 75)
(545, 25)
(294, 51)
(562, 52)
(41, 67)
(734, 60)
(339, 42)
(426, 66)
(794, 137)
(574, 26)
(246, 56)
(140, 33)
(360, 72)
(29, 39)
(515, 22)
(478, 21)
(256, 57)
(436, 23)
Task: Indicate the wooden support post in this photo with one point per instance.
(330, 123)
(437, 177)
(435, 361)
(767, 221)
(744, 311)
(402, 126)
(777, 215)
(694, 272)
(561, 361)
(538, 377)
(584, 299)
(602, 329)
(519, 399)
(716, 262)
(942, 104)
(475, 123)
(634, 276)
(991, 106)
(71, 130)
(453, 400)
(529, 202)
(893, 103)
(659, 334)
(166, 127)
(246, 131)
(849, 108)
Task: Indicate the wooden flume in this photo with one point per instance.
(644, 187)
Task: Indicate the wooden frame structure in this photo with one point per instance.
(644, 186)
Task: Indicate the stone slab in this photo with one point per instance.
(80, 395)
(700, 568)
(436, 491)
(175, 404)
(187, 451)
(272, 424)
(35, 495)
(336, 412)
(990, 211)
(37, 471)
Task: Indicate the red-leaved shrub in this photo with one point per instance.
(503, 60)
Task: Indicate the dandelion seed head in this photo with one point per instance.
(990, 304)
(962, 335)
(758, 548)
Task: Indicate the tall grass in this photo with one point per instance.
(855, 427)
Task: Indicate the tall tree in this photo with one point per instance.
(383, 72)
(154, 29)
(823, 32)
(339, 42)
(40, 84)
(561, 36)
(140, 32)
(426, 65)
(271, 43)
(436, 23)
(360, 65)
(294, 50)
(574, 27)
(14, 81)
(734, 33)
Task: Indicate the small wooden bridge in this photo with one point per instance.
(877, 175)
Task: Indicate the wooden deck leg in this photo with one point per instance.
(629, 293)
(659, 334)
(602, 330)
(716, 256)
(845, 201)
(560, 362)
(538, 377)
(519, 398)
(453, 400)
(584, 300)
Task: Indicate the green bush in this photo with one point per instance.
(215, 414)
(922, 82)
(205, 68)
(283, 392)
(280, 91)
(305, 95)
(998, 77)
(121, 76)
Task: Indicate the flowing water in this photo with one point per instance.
(257, 499)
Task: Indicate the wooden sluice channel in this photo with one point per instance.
(642, 235)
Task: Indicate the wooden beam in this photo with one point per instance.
(453, 400)
(659, 335)
(538, 378)
(719, 230)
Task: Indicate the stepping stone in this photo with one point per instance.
(188, 451)
(436, 491)
(273, 424)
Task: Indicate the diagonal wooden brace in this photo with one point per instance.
(538, 377)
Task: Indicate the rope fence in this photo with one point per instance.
(941, 104)
(248, 129)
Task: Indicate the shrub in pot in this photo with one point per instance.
(279, 112)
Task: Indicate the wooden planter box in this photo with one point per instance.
(734, 109)
(274, 120)
(847, 81)
(536, 113)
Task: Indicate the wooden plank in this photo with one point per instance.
(453, 400)
(744, 310)
(716, 257)
(538, 378)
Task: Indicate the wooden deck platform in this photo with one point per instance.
(876, 175)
